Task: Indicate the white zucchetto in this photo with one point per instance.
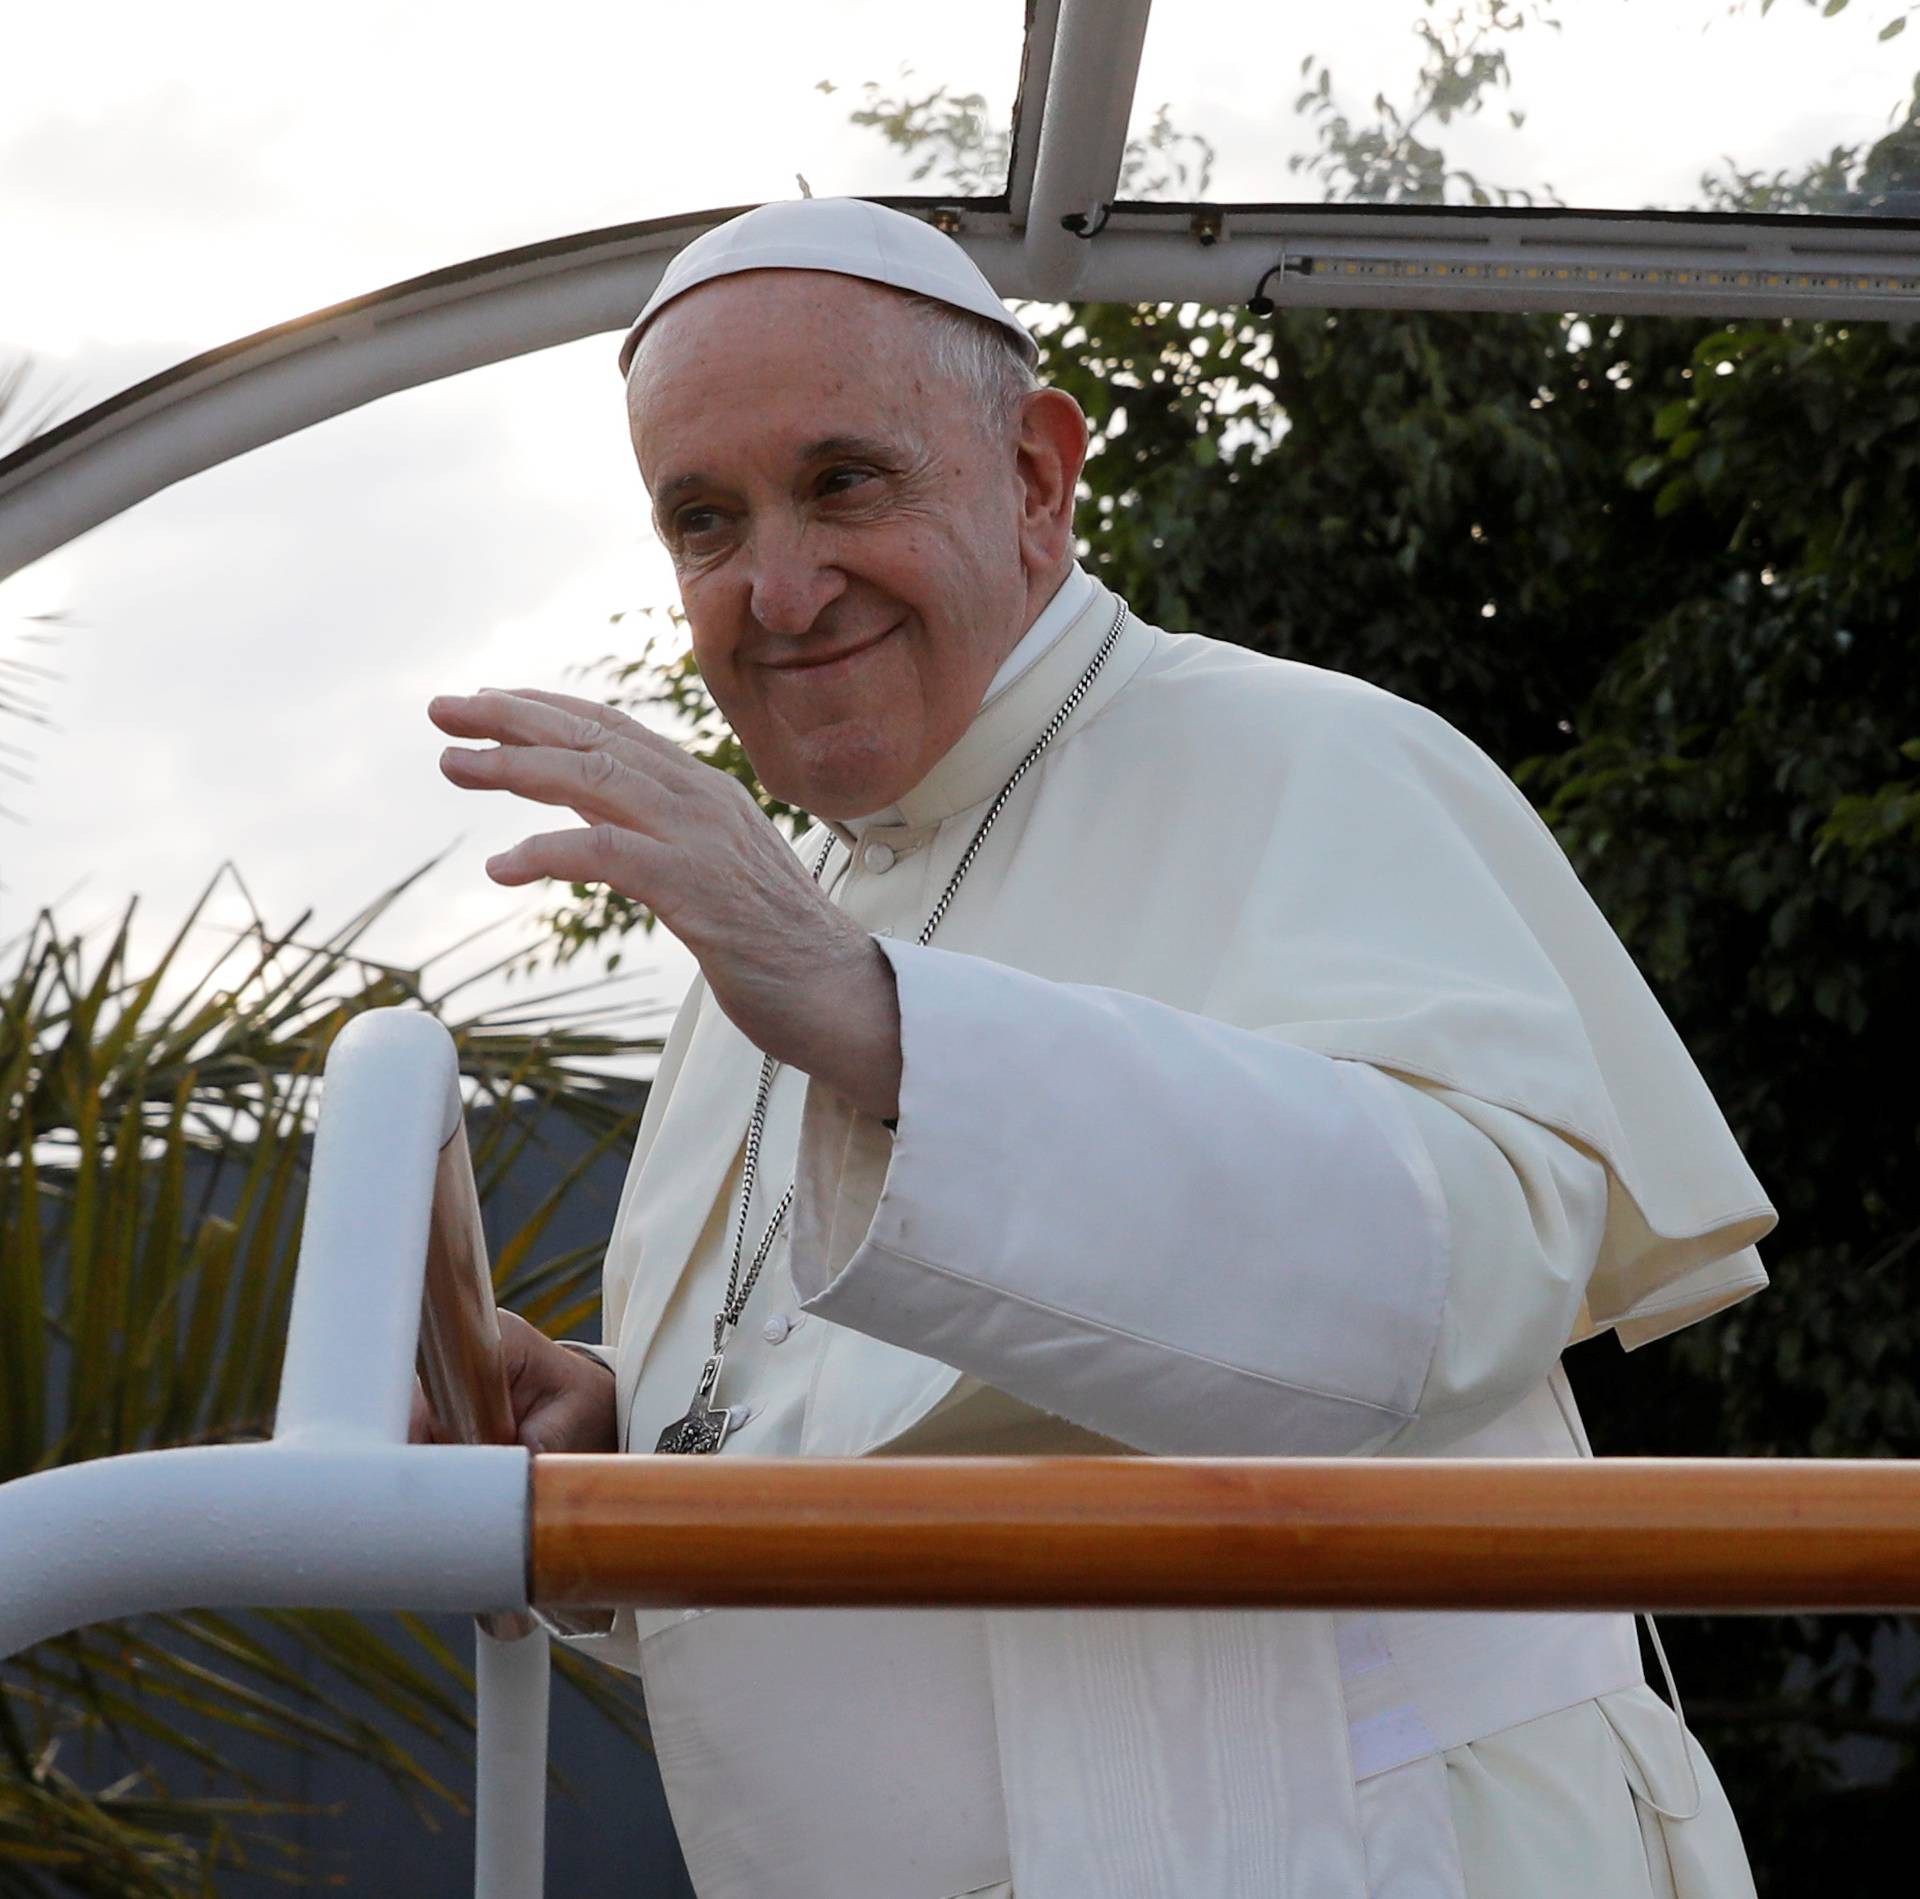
(847, 236)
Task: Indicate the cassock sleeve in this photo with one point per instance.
(1190, 1237)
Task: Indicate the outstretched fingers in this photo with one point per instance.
(608, 854)
(598, 785)
(650, 810)
(608, 718)
(529, 716)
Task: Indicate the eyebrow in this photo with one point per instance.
(827, 448)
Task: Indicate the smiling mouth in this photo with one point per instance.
(813, 662)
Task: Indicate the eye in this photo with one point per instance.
(691, 523)
(840, 480)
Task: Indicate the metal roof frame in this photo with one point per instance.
(1056, 234)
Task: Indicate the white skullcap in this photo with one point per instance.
(847, 236)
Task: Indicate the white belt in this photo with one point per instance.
(1418, 1684)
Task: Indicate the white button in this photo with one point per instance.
(776, 1328)
(877, 857)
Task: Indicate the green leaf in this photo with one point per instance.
(152, 1156)
(1671, 418)
(1673, 496)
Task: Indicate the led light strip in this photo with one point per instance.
(1747, 278)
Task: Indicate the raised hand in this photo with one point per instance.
(800, 979)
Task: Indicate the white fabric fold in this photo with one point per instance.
(881, 1799)
(1097, 1804)
(1254, 1265)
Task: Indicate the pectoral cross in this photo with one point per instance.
(704, 1428)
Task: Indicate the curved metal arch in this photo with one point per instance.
(1056, 234)
(253, 391)
(247, 393)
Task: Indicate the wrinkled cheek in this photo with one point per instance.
(713, 619)
(722, 690)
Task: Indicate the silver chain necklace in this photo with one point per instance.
(704, 1427)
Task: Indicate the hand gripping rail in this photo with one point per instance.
(337, 1511)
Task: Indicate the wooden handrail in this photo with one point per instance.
(1609, 1533)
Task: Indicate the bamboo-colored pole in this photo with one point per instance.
(461, 1363)
(460, 1357)
(1612, 1533)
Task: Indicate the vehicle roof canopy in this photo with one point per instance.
(1702, 157)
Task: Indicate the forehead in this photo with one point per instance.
(799, 353)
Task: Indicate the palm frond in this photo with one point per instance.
(155, 1121)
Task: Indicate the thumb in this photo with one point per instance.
(543, 1425)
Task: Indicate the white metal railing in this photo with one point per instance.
(338, 1511)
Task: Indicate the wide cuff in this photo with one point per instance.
(1190, 1237)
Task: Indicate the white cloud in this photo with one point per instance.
(162, 160)
(253, 649)
(223, 166)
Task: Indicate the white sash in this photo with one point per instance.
(915, 1754)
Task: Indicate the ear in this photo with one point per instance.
(1050, 446)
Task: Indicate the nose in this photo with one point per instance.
(792, 582)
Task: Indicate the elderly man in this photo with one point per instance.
(1169, 1049)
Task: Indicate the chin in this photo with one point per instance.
(844, 777)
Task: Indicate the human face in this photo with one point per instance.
(845, 528)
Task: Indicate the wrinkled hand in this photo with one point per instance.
(562, 1400)
(799, 978)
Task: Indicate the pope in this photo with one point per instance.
(1152, 1047)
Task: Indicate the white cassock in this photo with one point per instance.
(1272, 1087)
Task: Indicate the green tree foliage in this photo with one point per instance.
(1385, 160)
(153, 1124)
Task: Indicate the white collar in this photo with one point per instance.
(1067, 604)
(1053, 619)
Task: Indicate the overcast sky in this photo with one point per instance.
(248, 654)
